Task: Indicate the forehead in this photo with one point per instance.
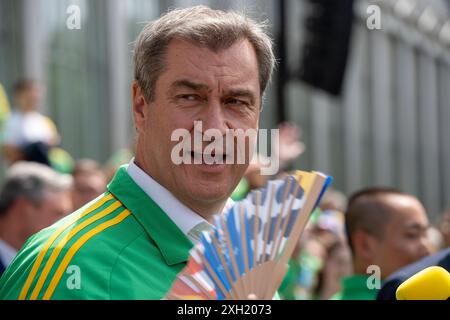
(52, 196)
(406, 210)
(236, 65)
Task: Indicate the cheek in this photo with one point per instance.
(403, 250)
(247, 120)
(164, 120)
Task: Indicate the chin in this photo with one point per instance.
(214, 193)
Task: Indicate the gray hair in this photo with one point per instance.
(201, 25)
(31, 181)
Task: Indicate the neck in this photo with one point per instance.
(206, 212)
(10, 232)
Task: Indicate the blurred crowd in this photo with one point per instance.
(373, 232)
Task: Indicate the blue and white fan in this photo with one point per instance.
(246, 255)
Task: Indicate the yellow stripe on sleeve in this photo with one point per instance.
(56, 234)
(48, 266)
(76, 246)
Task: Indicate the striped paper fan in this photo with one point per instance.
(249, 248)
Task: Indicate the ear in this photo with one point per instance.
(140, 110)
(364, 245)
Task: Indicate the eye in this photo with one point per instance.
(189, 97)
(413, 235)
(236, 102)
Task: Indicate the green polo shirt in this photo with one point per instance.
(119, 246)
(355, 288)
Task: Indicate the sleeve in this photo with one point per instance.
(81, 279)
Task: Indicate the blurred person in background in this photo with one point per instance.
(4, 111)
(390, 285)
(329, 231)
(33, 196)
(444, 228)
(28, 135)
(385, 228)
(336, 202)
(436, 239)
(116, 160)
(336, 266)
(304, 266)
(328, 226)
(322, 257)
(327, 247)
(89, 181)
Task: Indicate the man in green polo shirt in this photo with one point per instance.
(191, 65)
(386, 230)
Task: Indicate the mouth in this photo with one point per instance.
(217, 159)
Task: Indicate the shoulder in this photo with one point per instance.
(85, 244)
(141, 272)
(49, 122)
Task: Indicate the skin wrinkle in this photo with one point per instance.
(219, 65)
(244, 93)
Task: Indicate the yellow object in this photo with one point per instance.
(4, 103)
(305, 179)
(432, 283)
(4, 108)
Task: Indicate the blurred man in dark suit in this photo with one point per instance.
(389, 288)
(32, 197)
(386, 230)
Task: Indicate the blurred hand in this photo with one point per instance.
(290, 146)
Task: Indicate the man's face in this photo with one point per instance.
(220, 89)
(405, 237)
(54, 206)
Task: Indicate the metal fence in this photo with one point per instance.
(389, 128)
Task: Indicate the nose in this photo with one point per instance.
(213, 117)
(425, 246)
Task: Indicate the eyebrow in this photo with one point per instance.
(416, 226)
(184, 83)
(242, 93)
(188, 84)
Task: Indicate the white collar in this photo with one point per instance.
(7, 253)
(181, 215)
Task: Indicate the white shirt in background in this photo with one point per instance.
(30, 127)
(7, 253)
